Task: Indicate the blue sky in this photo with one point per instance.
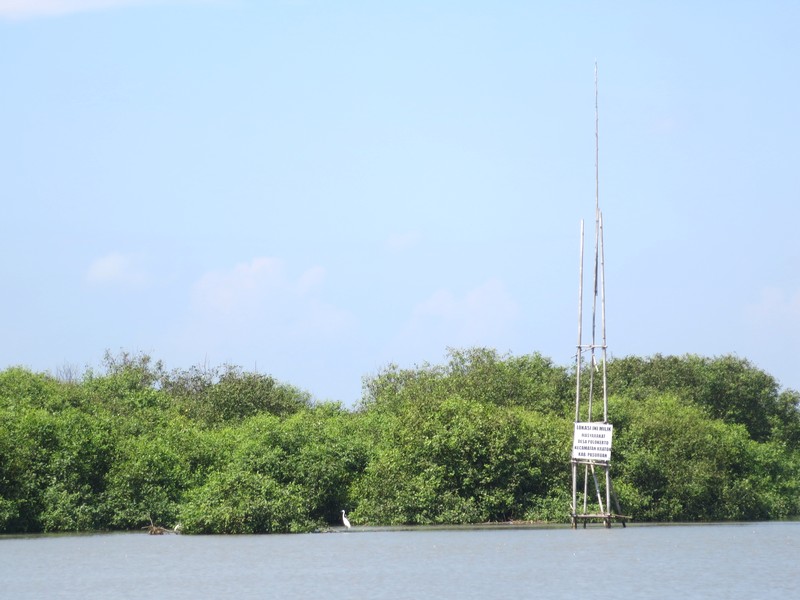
(318, 189)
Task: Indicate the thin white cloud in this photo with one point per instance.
(239, 289)
(312, 278)
(118, 270)
(262, 314)
(399, 242)
(260, 298)
(776, 306)
(482, 316)
(31, 9)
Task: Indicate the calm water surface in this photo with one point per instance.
(753, 560)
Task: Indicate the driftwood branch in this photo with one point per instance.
(154, 529)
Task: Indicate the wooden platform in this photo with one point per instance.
(605, 518)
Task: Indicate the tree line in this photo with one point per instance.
(481, 437)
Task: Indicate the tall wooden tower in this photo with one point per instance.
(592, 490)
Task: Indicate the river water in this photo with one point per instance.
(719, 561)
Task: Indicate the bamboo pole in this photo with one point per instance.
(585, 488)
(578, 356)
(596, 241)
(596, 145)
(574, 494)
(597, 490)
(578, 366)
(603, 317)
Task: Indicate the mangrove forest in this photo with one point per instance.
(482, 437)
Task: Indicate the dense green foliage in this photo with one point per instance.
(483, 437)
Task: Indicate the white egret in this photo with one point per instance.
(345, 520)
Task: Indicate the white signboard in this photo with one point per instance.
(592, 441)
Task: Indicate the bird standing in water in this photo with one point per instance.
(345, 520)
